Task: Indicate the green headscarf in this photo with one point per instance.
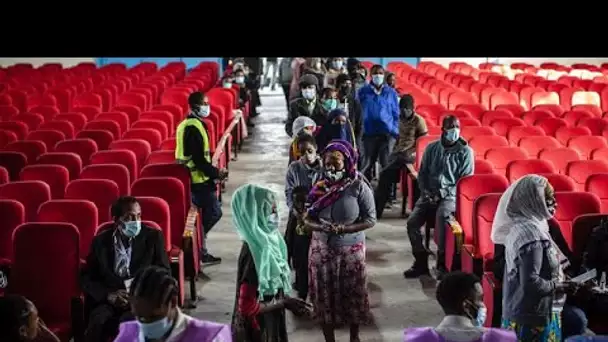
(251, 210)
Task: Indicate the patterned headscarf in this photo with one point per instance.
(324, 193)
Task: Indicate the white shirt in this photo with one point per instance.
(459, 329)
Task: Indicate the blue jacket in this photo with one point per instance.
(380, 111)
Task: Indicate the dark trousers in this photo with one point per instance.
(104, 320)
(205, 198)
(422, 210)
(376, 148)
(389, 176)
(574, 321)
(286, 87)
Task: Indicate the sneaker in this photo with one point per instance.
(209, 259)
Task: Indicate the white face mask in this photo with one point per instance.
(240, 79)
(204, 111)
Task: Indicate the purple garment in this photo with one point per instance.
(197, 330)
(430, 335)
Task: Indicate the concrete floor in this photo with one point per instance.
(396, 302)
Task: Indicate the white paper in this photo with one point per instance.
(128, 284)
(585, 277)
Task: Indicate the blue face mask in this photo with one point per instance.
(155, 330)
(337, 64)
(273, 221)
(309, 93)
(131, 228)
(239, 79)
(378, 79)
(227, 85)
(204, 111)
(452, 134)
(330, 104)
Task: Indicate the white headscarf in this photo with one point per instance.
(300, 123)
(521, 216)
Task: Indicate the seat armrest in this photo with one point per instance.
(468, 250)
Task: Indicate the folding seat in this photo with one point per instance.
(102, 192)
(133, 99)
(140, 147)
(88, 99)
(519, 168)
(469, 132)
(50, 138)
(117, 173)
(70, 160)
(559, 182)
(504, 125)
(175, 110)
(533, 145)
(76, 119)
(31, 120)
(148, 96)
(55, 176)
(118, 117)
(19, 98)
(161, 157)
(534, 116)
(593, 110)
(45, 270)
(477, 254)
(31, 149)
(30, 193)
(89, 111)
(7, 137)
(102, 138)
(500, 157)
(156, 125)
(62, 126)
(571, 205)
(63, 97)
(564, 134)
(573, 117)
(168, 145)
(585, 145)
(105, 125)
(595, 125)
(164, 116)
(122, 157)
(47, 112)
(492, 115)
(556, 109)
(482, 143)
(550, 125)
(19, 128)
(598, 184)
(468, 122)
(468, 190)
(157, 210)
(580, 170)
(171, 170)
(600, 154)
(152, 136)
(132, 111)
(13, 214)
(514, 109)
(13, 162)
(4, 176)
(483, 167)
(7, 112)
(476, 110)
(560, 157)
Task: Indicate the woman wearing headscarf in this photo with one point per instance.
(338, 127)
(341, 207)
(303, 125)
(534, 285)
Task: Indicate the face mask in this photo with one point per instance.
(318, 65)
(406, 113)
(452, 134)
(204, 111)
(337, 64)
(227, 85)
(346, 90)
(240, 79)
(330, 104)
(155, 330)
(334, 176)
(273, 221)
(378, 79)
(480, 318)
(551, 206)
(309, 94)
(131, 228)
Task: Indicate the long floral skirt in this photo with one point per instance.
(552, 332)
(338, 283)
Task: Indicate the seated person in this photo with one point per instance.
(19, 321)
(444, 162)
(115, 256)
(154, 297)
(307, 104)
(461, 298)
(241, 80)
(411, 127)
(226, 81)
(301, 126)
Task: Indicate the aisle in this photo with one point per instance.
(396, 302)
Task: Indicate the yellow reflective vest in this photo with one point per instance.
(197, 176)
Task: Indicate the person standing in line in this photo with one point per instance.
(296, 68)
(444, 163)
(302, 126)
(348, 102)
(306, 105)
(380, 120)
(286, 76)
(335, 68)
(461, 298)
(314, 66)
(411, 127)
(193, 151)
(255, 66)
(270, 81)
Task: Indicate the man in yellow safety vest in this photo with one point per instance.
(193, 150)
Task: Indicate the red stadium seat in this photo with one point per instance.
(13, 162)
(13, 214)
(585, 145)
(534, 116)
(156, 125)
(19, 128)
(117, 173)
(483, 167)
(62, 126)
(89, 111)
(4, 176)
(84, 148)
(551, 125)
(7, 137)
(161, 157)
(580, 170)
(158, 211)
(516, 133)
(80, 213)
(30, 193)
(482, 143)
(71, 161)
(588, 108)
(595, 125)
(132, 112)
(102, 138)
(557, 110)
(514, 109)
(105, 125)
(504, 125)
(476, 110)
(564, 134)
(571, 205)
(47, 112)
(140, 147)
(560, 157)
(175, 110)
(63, 97)
(598, 184)
(478, 254)
(133, 99)
(492, 115)
(152, 136)
(31, 120)
(49, 137)
(163, 116)
(600, 154)
(55, 176)
(122, 157)
(500, 157)
(533, 145)
(559, 182)
(102, 192)
(56, 244)
(31, 149)
(170, 170)
(8, 112)
(519, 168)
(168, 145)
(572, 117)
(120, 118)
(76, 119)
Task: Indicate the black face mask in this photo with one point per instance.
(345, 91)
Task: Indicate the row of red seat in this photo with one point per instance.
(58, 166)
